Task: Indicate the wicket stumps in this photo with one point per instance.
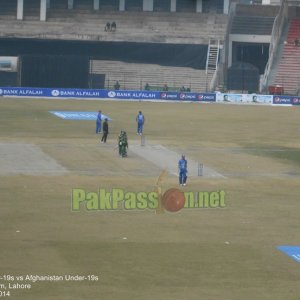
(143, 140)
(200, 169)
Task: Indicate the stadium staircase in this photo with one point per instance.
(287, 71)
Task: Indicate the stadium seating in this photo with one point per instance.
(135, 76)
(83, 4)
(59, 4)
(32, 9)
(254, 19)
(143, 27)
(252, 25)
(287, 73)
(8, 9)
(257, 10)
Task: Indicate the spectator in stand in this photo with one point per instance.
(147, 87)
(113, 26)
(165, 88)
(107, 27)
(117, 85)
(183, 89)
(297, 42)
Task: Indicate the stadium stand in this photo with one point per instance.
(109, 5)
(252, 25)
(145, 27)
(59, 4)
(257, 10)
(8, 9)
(32, 9)
(287, 72)
(83, 5)
(142, 27)
(84, 24)
(253, 19)
(246, 41)
(212, 6)
(246, 27)
(135, 76)
(81, 22)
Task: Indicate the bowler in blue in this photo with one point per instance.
(98, 122)
(182, 167)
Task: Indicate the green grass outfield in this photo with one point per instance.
(211, 254)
